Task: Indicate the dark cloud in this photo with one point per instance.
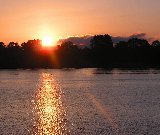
(78, 40)
(83, 41)
(139, 35)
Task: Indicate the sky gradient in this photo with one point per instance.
(29, 19)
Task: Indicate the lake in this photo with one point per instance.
(80, 102)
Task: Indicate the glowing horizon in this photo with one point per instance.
(27, 19)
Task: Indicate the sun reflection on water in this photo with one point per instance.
(48, 109)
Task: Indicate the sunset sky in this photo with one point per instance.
(28, 19)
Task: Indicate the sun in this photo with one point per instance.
(47, 41)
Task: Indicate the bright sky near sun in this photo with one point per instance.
(28, 19)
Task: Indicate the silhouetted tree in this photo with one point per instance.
(101, 41)
(135, 42)
(67, 45)
(121, 45)
(133, 53)
(13, 45)
(32, 45)
(156, 43)
(69, 54)
(2, 45)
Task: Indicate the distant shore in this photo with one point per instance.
(101, 53)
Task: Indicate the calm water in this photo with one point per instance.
(82, 101)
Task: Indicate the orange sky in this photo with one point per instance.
(29, 19)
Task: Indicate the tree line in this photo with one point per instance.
(100, 53)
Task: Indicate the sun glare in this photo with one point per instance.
(47, 41)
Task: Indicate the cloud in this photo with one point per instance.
(138, 35)
(84, 40)
(78, 40)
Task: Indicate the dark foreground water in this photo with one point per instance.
(80, 102)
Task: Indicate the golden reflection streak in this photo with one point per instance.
(50, 115)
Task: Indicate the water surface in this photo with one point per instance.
(80, 101)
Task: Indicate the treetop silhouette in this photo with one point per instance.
(100, 53)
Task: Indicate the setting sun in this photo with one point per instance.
(47, 41)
